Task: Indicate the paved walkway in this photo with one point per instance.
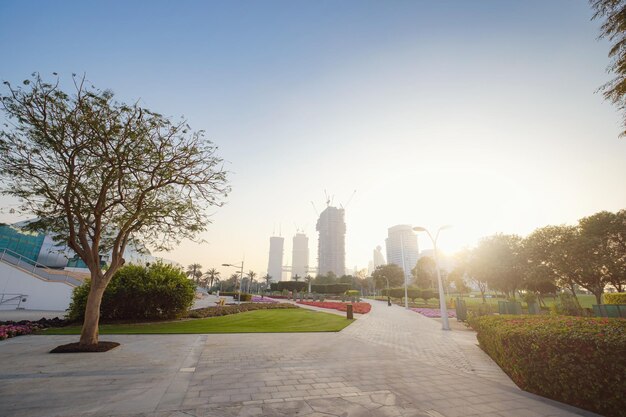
(389, 363)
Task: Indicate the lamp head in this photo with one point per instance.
(226, 265)
(419, 229)
(447, 226)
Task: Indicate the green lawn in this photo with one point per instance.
(259, 321)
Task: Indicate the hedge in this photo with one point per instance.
(137, 292)
(615, 298)
(330, 288)
(289, 286)
(412, 292)
(234, 309)
(575, 360)
(235, 295)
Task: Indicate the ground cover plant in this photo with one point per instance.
(433, 312)
(216, 311)
(259, 299)
(282, 320)
(359, 308)
(576, 360)
(10, 329)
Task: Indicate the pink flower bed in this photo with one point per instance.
(12, 330)
(257, 299)
(433, 313)
(360, 308)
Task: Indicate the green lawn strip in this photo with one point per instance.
(259, 321)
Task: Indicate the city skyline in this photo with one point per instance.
(484, 116)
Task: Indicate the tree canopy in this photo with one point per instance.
(97, 173)
(391, 272)
(614, 30)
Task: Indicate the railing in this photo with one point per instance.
(39, 270)
(13, 299)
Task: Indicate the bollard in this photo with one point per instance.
(349, 314)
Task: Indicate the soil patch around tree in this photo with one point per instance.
(75, 348)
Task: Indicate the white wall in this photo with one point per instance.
(42, 295)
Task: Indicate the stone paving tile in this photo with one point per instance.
(357, 372)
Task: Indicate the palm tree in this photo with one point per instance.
(211, 275)
(308, 279)
(195, 272)
(251, 275)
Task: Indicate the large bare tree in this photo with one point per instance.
(98, 173)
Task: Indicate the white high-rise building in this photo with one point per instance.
(300, 255)
(402, 248)
(331, 250)
(378, 258)
(275, 264)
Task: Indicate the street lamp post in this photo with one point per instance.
(241, 273)
(445, 325)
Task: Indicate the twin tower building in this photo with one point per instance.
(331, 249)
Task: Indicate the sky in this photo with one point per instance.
(482, 115)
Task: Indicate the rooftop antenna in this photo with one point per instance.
(327, 198)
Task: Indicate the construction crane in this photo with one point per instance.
(349, 200)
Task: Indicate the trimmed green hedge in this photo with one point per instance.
(615, 298)
(235, 295)
(576, 360)
(289, 286)
(330, 288)
(412, 292)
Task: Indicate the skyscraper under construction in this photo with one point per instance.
(331, 249)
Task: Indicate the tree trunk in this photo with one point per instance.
(89, 332)
(598, 295)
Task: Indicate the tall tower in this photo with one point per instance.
(402, 248)
(275, 264)
(331, 250)
(378, 258)
(300, 255)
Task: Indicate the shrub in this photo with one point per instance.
(234, 309)
(576, 360)
(353, 293)
(289, 286)
(330, 288)
(567, 305)
(615, 298)
(235, 295)
(136, 292)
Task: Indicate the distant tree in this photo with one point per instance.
(329, 278)
(211, 276)
(548, 260)
(614, 29)
(497, 261)
(425, 272)
(599, 252)
(267, 278)
(251, 276)
(391, 272)
(97, 174)
(309, 280)
(296, 278)
(457, 277)
(194, 271)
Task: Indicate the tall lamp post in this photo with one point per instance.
(442, 298)
(388, 295)
(241, 273)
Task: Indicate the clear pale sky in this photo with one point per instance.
(478, 114)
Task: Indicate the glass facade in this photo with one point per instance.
(24, 243)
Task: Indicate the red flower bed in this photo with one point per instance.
(360, 308)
